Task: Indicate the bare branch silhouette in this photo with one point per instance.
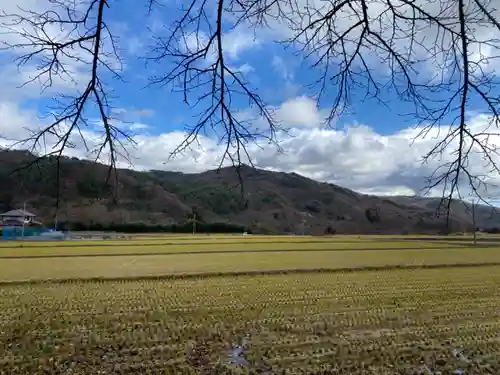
(84, 36)
(351, 41)
(192, 51)
(202, 74)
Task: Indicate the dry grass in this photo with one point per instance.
(383, 322)
(127, 248)
(190, 244)
(377, 322)
(157, 265)
(231, 239)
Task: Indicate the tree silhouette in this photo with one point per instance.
(349, 42)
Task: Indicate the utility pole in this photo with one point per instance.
(474, 220)
(55, 223)
(194, 222)
(24, 209)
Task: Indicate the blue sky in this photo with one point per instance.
(366, 149)
(275, 80)
(277, 74)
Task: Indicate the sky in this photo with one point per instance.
(370, 148)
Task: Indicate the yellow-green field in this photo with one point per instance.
(171, 305)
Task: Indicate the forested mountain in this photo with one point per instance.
(272, 202)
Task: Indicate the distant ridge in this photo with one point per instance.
(274, 202)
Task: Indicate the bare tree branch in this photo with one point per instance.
(83, 43)
(194, 48)
(350, 41)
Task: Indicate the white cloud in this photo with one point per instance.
(19, 38)
(296, 112)
(138, 126)
(281, 68)
(301, 111)
(238, 41)
(234, 42)
(244, 68)
(16, 82)
(431, 51)
(133, 113)
(14, 122)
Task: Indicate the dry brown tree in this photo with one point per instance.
(370, 45)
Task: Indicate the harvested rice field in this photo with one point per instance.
(342, 305)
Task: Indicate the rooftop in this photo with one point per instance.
(18, 213)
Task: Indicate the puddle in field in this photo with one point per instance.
(237, 357)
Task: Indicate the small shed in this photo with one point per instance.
(18, 215)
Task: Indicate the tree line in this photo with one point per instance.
(201, 227)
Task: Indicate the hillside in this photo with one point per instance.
(274, 201)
